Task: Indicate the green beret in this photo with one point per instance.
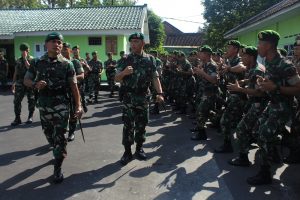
(181, 54)
(269, 36)
(139, 36)
(122, 52)
(66, 45)
(94, 52)
(76, 47)
(193, 53)
(219, 52)
(54, 36)
(297, 41)
(243, 46)
(234, 43)
(24, 46)
(250, 50)
(205, 49)
(283, 52)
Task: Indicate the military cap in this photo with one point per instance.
(205, 49)
(67, 45)
(269, 36)
(181, 54)
(54, 36)
(297, 41)
(193, 53)
(234, 43)
(250, 50)
(94, 52)
(122, 52)
(24, 46)
(283, 52)
(136, 36)
(76, 47)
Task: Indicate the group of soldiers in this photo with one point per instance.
(251, 91)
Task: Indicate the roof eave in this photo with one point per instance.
(261, 23)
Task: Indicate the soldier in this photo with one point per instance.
(19, 89)
(54, 75)
(281, 82)
(166, 75)
(87, 69)
(233, 71)
(86, 74)
(208, 74)
(256, 98)
(66, 52)
(94, 77)
(136, 74)
(3, 70)
(110, 70)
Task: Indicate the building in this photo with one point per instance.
(105, 29)
(283, 17)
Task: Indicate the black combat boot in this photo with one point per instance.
(58, 175)
(155, 109)
(225, 148)
(71, 136)
(262, 178)
(242, 160)
(85, 109)
(199, 135)
(17, 121)
(29, 120)
(139, 153)
(111, 94)
(127, 156)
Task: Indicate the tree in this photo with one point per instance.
(156, 32)
(223, 15)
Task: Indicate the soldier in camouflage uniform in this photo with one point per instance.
(19, 89)
(3, 70)
(79, 72)
(173, 79)
(94, 77)
(110, 70)
(233, 71)
(184, 72)
(257, 103)
(136, 74)
(166, 75)
(53, 75)
(281, 82)
(208, 74)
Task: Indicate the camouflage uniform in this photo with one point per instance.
(53, 101)
(3, 72)
(94, 78)
(21, 89)
(110, 74)
(135, 96)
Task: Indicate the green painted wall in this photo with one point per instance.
(287, 28)
(81, 40)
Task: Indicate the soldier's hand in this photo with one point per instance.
(13, 88)
(78, 113)
(128, 70)
(160, 98)
(234, 87)
(40, 85)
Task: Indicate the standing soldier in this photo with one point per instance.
(55, 75)
(281, 83)
(66, 52)
(110, 70)
(87, 69)
(94, 77)
(233, 71)
(18, 87)
(3, 70)
(136, 74)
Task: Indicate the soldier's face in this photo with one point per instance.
(246, 59)
(66, 52)
(297, 51)
(231, 51)
(263, 48)
(95, 56)
(136, 45)
(75, 52)
(54, 46)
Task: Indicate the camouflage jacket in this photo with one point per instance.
(96, 66)
(108, 63)
(231, 77)
(209, 68)
(21, 69)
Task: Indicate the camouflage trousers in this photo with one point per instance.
(181, 94)
(94, 85)
(245, 126)
(111, 80)
(54, 114)
(135, 118)
(3, 79)
(20, 92)
(232, 115)
(272, 120)
(206, 104)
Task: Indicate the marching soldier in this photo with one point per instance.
(94, 77)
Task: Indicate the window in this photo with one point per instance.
(37, 48)
(95, 41)
(111, 44)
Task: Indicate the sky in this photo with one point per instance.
(189, 10)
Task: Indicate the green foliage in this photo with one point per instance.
(223, 15)
(156, 32)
